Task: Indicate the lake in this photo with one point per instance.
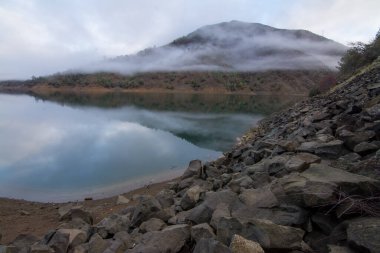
(65, 147)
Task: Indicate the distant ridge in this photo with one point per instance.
(235, 46)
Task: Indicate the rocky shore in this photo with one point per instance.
(305, 180)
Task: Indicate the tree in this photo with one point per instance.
(359, 55)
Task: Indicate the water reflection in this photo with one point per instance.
(51, 152)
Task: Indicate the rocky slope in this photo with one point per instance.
(305, 180)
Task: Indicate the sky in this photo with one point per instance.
(41, 37)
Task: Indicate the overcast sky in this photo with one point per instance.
(39, 37)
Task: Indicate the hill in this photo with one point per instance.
(227, 57)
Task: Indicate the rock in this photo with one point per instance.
(310, 146)
(111, 225)
(319, 116)
(76, 236)
(331, 149)
(121, 200)
(202, 231)
(318, 185)
(75, 213)
(191, 197)
(241, 245)
(221, 210)
(200, 214)
(170, 239)
(242, 182)
(124, 237)
(261, 197)
(350, 158)
(363, 233)
(358, 137)
(9, 249)
(115, 247)
(210, 246)
(269, 235)
(63, 210)
(145, 209)
(211, 172)
(194, 169)
(284, 214)
(325, 223)
(212, 199)
(364, 148)
(152, 224)
(39, 248)
(97, 244)
(295, 164)
(275, 165)
(22, 242)
(166, 198)
(339, 249)
(203, 212)
(59, 242)
(325, 174)
(259, 175)
(83, 248)
(308, 158)
(374, 112)
(24, 213)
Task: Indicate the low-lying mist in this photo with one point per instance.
(232, 46)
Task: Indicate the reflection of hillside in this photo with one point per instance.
(211, 103)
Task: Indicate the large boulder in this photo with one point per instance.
(269, 235)
(363, 233)
(148, 207)
(97, 244)
(76, 212)
(152, 224)
(358, 137)
(320, 185)
(40, 248)
(112, 224)
(22, 243)
(241, 245)
(166, 198)
(210, 246)
(194, 169)
(286, 215)
(221, 210)
(261, 197)
(171, 239)
(201, 231)
(76, 236)
(60, 242)
(191, 197)
(332, 149)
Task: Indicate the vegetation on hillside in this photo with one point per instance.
(359, 55)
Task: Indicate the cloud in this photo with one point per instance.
(42, 37)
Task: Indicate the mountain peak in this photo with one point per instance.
(239, 46)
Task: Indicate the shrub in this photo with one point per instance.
(359, 55)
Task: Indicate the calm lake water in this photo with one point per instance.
(68, 146)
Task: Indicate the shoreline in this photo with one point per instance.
(18, 216)
(106, 192)
(94, 90)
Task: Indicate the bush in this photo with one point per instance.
(359, 55)
(314, 92)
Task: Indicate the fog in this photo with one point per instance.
(43, 37)
(231, 46)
